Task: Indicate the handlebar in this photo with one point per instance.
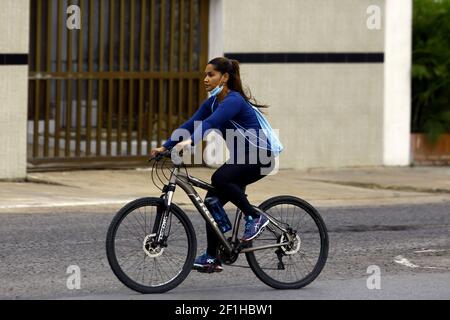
(165, 154)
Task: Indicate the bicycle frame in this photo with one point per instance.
(187, 183)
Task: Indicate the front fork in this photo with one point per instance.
(163, 214)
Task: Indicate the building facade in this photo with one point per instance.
(336, 75)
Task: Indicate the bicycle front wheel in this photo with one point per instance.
(132, 252)
(295, 265)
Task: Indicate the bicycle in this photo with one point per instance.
(166, 236)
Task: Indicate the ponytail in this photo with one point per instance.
(231, 66)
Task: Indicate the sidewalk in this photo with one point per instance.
(320, 187)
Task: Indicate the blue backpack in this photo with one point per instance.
(275, 144)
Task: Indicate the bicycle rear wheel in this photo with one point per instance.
(298, 264)
(134, 257)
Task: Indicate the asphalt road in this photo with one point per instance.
(409, 244)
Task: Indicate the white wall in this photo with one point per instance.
(14, 26)
(216, 31)
(14, 38)
(397, 83)
(328, 114)
(300, 26)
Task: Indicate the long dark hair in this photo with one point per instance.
(230, 66)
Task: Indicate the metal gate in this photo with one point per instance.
(105, 94)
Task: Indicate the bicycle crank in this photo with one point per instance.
(225, 257)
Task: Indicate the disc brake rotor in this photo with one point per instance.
(292, 247)
(150, 249)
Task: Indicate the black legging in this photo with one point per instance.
(229, 182)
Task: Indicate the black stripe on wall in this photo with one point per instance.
(13, 59)
(332, 57)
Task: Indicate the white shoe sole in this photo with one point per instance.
(259, 232)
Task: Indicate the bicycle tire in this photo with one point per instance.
(313, 213)
(111, 252)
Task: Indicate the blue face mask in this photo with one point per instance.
(214, 92)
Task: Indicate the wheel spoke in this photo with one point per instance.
(143, 268)
(301, 263)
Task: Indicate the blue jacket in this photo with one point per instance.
(232, 107)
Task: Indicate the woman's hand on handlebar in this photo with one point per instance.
(179, 148)
(156, 151)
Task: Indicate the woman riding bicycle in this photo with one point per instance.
(228, 108)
